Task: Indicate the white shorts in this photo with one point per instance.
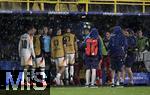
(40, 62)
(60, 61)
(26, 60)
(70, 59)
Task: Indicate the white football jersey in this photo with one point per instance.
(26, 46)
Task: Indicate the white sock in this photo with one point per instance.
(66, 72)
(43, 74)
(121, 80)
(22, 78)
(58, 76)
(113, 81)
(87, 76)
(71, 72)
(93, 76)
(117, 83)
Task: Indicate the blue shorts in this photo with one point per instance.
(130, 60)
(116, 63)
(91, 62)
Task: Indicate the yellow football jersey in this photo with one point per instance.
(70, 47)
(57, 47)
(37, 45)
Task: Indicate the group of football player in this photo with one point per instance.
(115, 53)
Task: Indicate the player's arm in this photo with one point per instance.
(52, 48)
(104, 52)
(34, 39)
(100, 49)
(76, 46)
(64, 43)
(19, 47)
(41, 45)
(32, 49)
(147, 44)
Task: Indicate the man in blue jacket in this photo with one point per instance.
(117, 50)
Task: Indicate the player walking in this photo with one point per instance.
(57, 54)
(117, 50)
(26, 52)
(70, 53)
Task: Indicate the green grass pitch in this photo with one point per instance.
(100, 91)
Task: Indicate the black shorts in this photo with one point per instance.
(130, 60)
(116, 63)
(91, 62)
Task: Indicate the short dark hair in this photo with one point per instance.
(29, 27)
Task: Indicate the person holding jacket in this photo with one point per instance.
(93, 55)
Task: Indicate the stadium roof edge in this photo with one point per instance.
(74, 13)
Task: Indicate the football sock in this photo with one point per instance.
(87, 76)
(58, 76)
(93, 76)
(66, 73)
(71, 72)
(113, 81)
(22, 78)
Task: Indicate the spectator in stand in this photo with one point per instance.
(142, 45)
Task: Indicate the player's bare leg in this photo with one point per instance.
(99, 74)
(109, 76)
(113, 78)
(130, 74)
(99, 77)
(60, 70)
(123, 74)
(25, 76)
(118, 78)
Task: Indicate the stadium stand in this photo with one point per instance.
(115, 6)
